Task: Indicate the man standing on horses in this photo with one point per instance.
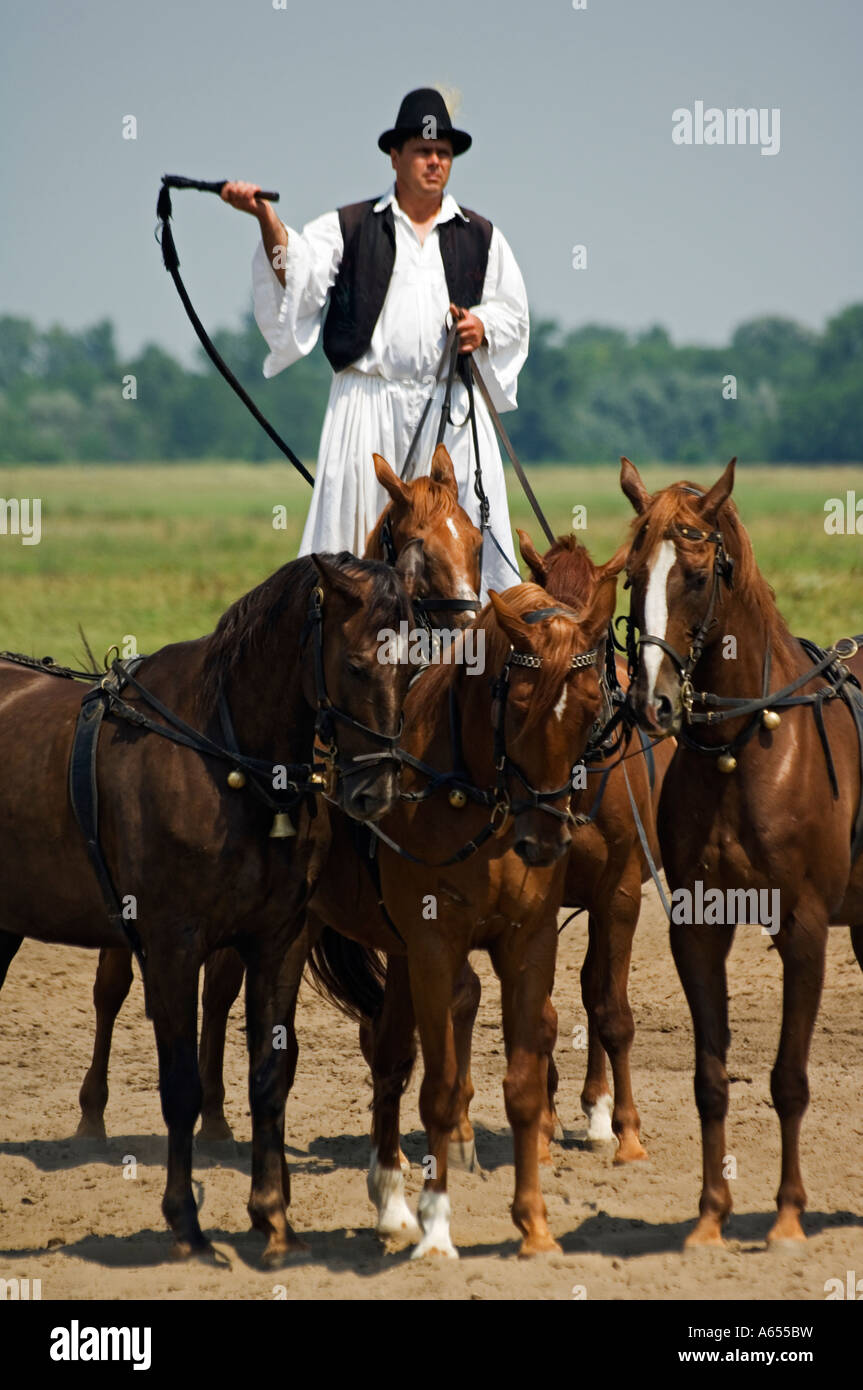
(393, 268)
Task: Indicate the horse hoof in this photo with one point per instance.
(630, 1151)
(277, 1256)
(405, 1230)
(787, 1235)
(430, 1246)
(599, 1130)
(202, 1251)
(538, 1245)
(462, 1155)
(215, 1131)
(706, 1236)
(91, 1129)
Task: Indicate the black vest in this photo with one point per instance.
(369, 254)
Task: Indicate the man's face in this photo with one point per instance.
(422, 166)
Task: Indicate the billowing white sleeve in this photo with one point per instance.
(290, 318)
(504, 313)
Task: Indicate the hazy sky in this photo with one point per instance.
(571, 114)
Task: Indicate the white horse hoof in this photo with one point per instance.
(433, 1210)
(386, 1189)
(599, 1130)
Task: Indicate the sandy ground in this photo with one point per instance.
(70, 1218)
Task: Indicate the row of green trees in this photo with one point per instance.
(778, 391)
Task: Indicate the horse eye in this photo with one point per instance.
(697, 579)
(355, 668)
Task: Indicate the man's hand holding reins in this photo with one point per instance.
(471, 330)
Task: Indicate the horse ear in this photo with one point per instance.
(613, 566)
(632, 486)
(410, 566)
(532, 558)
(601, 610)
(710, 504)
(390, 481)
(442, 470)
(515, 629)
(335, 581)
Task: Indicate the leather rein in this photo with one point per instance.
(497, 798)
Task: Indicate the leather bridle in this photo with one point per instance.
(503, 808)
(433, 603)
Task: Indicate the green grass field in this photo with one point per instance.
(159, 552)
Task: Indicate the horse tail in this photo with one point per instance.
(351, 976)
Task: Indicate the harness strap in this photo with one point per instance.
(645, 847)
(84, 796)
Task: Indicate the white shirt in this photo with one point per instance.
(375, 404)
(409, 335)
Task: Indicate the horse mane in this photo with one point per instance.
(574, 571)
(246, 626)
(674, 506)
(429, 501)
(557, 651)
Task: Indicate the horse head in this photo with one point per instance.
(680, 566)
(546, 698)
(427, 511)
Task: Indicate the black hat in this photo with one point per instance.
(420, 113)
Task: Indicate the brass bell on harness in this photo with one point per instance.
(457, 798)
(770, 719)
(282, 827)
(726, 762)
(236, 779)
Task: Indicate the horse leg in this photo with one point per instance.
(112, 984)
(223, 977)
(468, 992)
(432, 978)
(700, 953)
(526, 976)
(172, 997)
(272, 986)
(391, 1056)
(548, 1118)
(367, 1048)
(9, 944)
(802, 949)
(616, 923)
(596, 1101)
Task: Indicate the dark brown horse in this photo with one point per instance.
(430, 538)
(191, 857)
(438, 900)
(759, 804)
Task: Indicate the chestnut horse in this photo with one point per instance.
(762, 795)
(436, 548)
(455, 879)
(604, 874)
(192, 857)
(606, 869)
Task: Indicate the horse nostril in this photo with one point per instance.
(664, 710)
